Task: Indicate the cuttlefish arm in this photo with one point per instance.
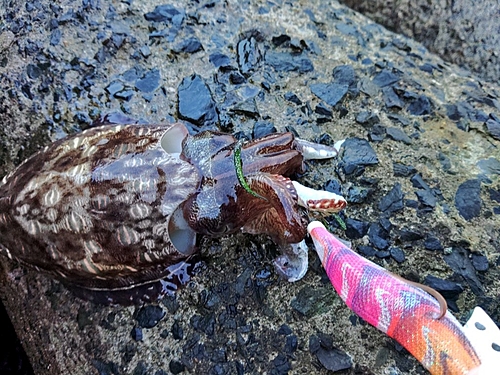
(403, 311)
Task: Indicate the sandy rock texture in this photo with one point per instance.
(461, 32)
(420, 170)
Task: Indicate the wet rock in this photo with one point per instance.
(286, 62)
(331, 93)
(393, 200)
(378, 236)
(149, 82)
(385, 78)
(346, 75)
(401, 170)
(398, 135)
(355, 228)
(468, 200)
(391, 99)
(489, 166)
(310, 302)
(418, 182)
(448, 289)
(195, 101)
(291, 97)
(177, 331)
(421, 106)
(334, 359)
(460, 263)
(189, 45)
(480, 262)
(219, 60)
(114, 87)
(409, 235)
(356, 153)
(397, 254)
(281, 364)
(493, 127)
(166, 13)
(358, 194)
(176, 367)
(136, 334)
(426, 198)
(367, 119)
(149, 316)
(322, 109)
(248, 55)
(366, 251)
(433, 243)
(398, 119)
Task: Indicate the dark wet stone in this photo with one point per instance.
(177, 331)
(426, 198)
(356, 228)
(345, 75)
(494, 195)
(480, 262)
(468, 200)
(398, 118)
(33, 71)
(397, 254)
(378, 236)
(368, 87)
(286, 62)
(310, 302)
(367, 119)
(421, 106)
(114, 87)
(331, 93)
(448, 289)
(176, 367)
(493, 128)
(382, 254)
(291, 97)
(356, 153)
(489, 166)
(418, 182)
(248, 55)
(455, 112)
(281, 365)
(284, 330)
(334, 359)
(409, 235)
(393, 200)
(219, 60)
(377, 133)
(385, 78)
(149, 81)
(195, 101)
(433, 243)
(204, 323)
(459, 262)
(358, 194)
(291, 344)
(401, 170)
(333, 186)
(166, 13)
(149, 316)
(391, 99)
(189, 45)
(398, 135)
(322, 109)
(105, 368)
(136, 334)
(366, 251)
(427, 67)
(55, 37)
(125, 95)
(236, 78)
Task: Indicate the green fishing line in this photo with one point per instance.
(238, 164)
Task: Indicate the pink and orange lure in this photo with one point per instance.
(401, 310)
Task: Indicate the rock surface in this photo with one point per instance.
(415, 136)
(461, 32)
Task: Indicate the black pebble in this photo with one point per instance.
(195, 101)
(385, 78)
(397, 254)
(393, 200)
(367, 119)
(493, 127)
(219, 60)
(176, 367)
(398, 135)
(286, 62)
(189, 45)
(263, 128)
(149, 316)
(149, 82)
(421, 106)
(248, 55)
(177, 331)
(401, 170)
(357, 153)
(449, 289)
(331, 93)
(334, 359)
(166, 12)
(136, 333)
(480, 262)
(291, 97)
(468, 200)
